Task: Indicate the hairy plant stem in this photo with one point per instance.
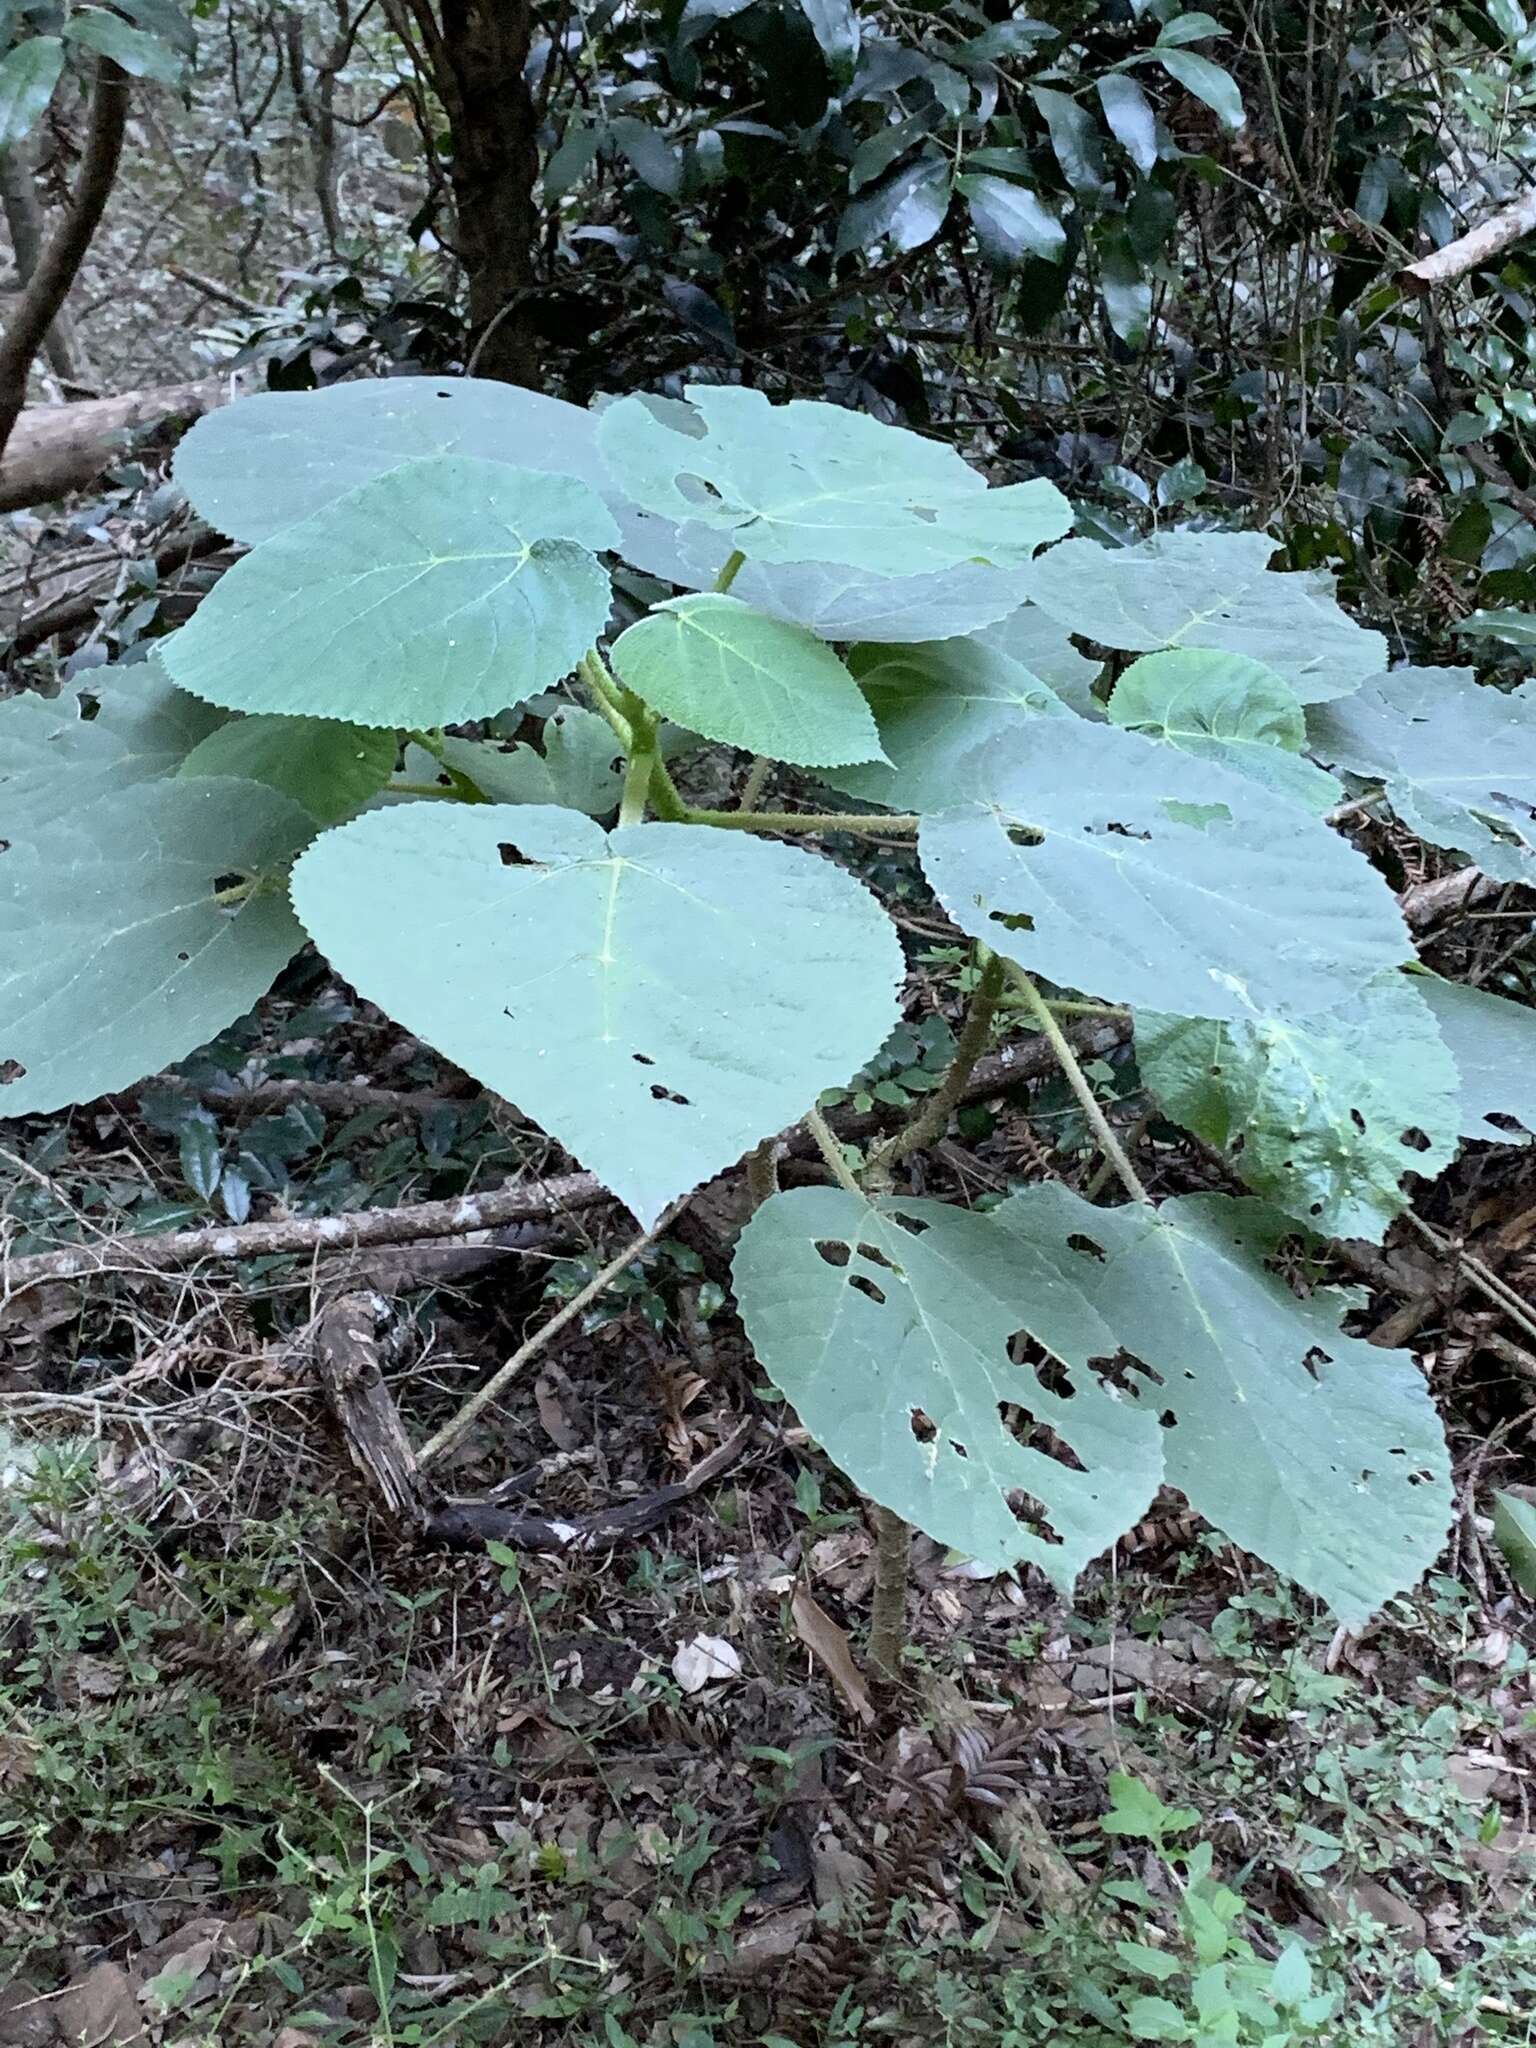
(933, 1113)
(1079, 1083)
(465, 789)
(752, 789)
(762, 1175)
(641, 770)
(733, 567)
(888, 1606)
(594, 672)
(802, 821)
(832, 1152)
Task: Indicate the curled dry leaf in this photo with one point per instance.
(706, 1660)
(828, 1644)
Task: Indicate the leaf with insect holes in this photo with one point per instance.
(1319, 1452)
(734, 675)
(659, 998)
(115, 955)
(1493, 1042)
(55, 758)
(1228, 709)
(1195, 589)
(329, 768)
(808, 482)
(276, 458)
(827, 598)
(443, 591)
(1458, 759)
(888, 1323)
(937, 707)
(1311, 1114)
(1111, 864)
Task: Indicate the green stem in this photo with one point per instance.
(1066, 1006)
(804, 821)
(752, 788)
(605, 693)
(1079, 1083)
(733, 566)
(933, 1113)
(664, 795)
(642, 766)
(465, 788)
(447, 796)
(832, 1152)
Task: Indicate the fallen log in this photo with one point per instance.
(1481, 244)
(55, 449)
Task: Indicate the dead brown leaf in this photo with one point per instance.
(101, 2011)
(828, 1644)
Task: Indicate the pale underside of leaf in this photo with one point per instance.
(1458, 760)
(1080, 867)
(808, 482)
(442, 591)
(936, 707)
(1323, 1115)
(1319, 1452)
(731, 673)
(894, 1349)
(1493, 1042)
(1195, 589)
(659, 999)
(53, 760)
(277, 457)
(115, 958)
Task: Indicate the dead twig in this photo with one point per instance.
(1479, 245)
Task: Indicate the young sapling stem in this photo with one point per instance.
(1079, 1083)
(803, 821)
(641, 769)
(734, 563)
(752, 789)
(933, 1113)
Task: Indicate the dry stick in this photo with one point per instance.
(453, 1430)
(59, 264)
(528, 1201)
(1489, 239)
(1483, 1278)
(1079, 1083)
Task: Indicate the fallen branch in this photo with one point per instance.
(470, 1525)
(526, 1201)
(55, 449)
(1480, 245)
(347, 1351)
(415, 1222)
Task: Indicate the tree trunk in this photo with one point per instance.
(25, 220)
(479, 60)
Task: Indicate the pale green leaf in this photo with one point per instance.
(1011, 221)
(894, 1349)
(140, 55)
(734, 675)
(1132, 118)
(275, 458)
(1196, 589)
(1493, 1042)
(1207, 81)
(935, 707)
(1514, 1530)
(659, 998)
(1458, 759)
(1229, 709)
(28, 75)
(329, 768)
(115, 957)
(807, 482)
(117, 726)
(829, 599)
(1310, 1112)
(835, 25)
(1515, 629)
(1090, 863)
(580, 767)
(1043, 645)
(441, 591)
(1319, 1452)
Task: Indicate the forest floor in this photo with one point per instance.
(274, 1768)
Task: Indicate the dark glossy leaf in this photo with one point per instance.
(1011, 221)
(906, 211)
(1074, 138)
(1132, 119)
(1208, 82)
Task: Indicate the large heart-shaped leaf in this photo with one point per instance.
(1493, 1042)
(1319, 1452)
(1314, 1116)
(441, 591)
(117, 955)
(329, 768)
(659, 998)
(733, 674)
(829, 599)
(1189, 589)
(273, 459)
(936, 707)
(55, 759)
(807, 482)
(1228, 709)
(1131, 871)
(1458, 760)
(888, 1325)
